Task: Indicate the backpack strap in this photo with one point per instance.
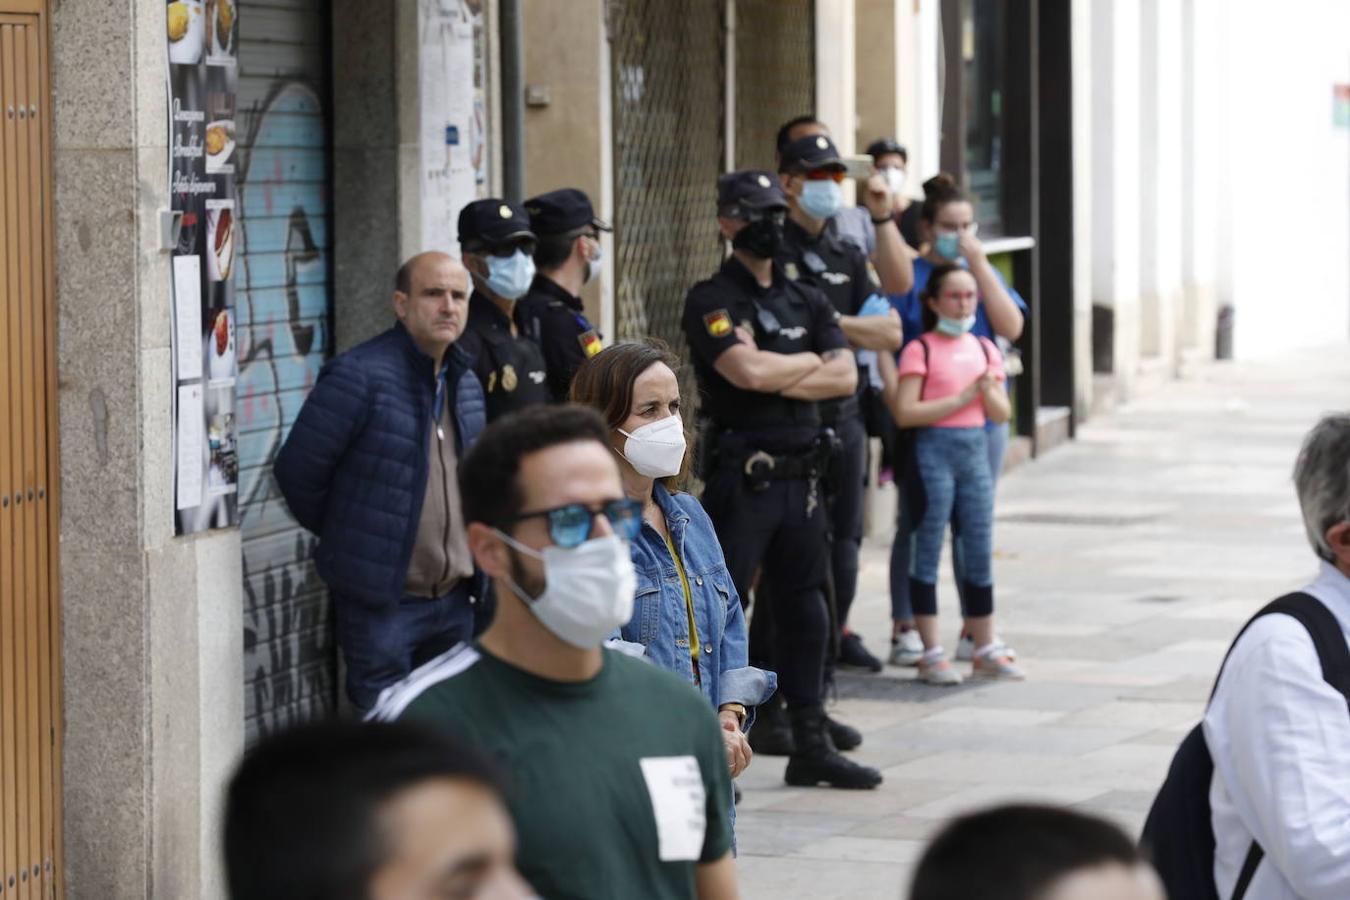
(1332, 652)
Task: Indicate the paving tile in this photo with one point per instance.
(1124, 563)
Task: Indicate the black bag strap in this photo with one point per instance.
(1332, 652)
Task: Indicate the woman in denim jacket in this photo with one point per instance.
(686, 613)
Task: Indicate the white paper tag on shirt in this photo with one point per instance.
(678, 803)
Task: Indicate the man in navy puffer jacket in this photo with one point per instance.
(370, 467)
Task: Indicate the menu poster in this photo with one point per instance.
(202, 79)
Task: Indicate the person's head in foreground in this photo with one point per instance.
(1026, 852)
(1322, 479)
(549, 522)
(380, 811)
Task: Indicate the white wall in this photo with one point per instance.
(1287, 173)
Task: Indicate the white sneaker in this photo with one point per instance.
(939, 672)
(906, 649)
(965, 648)
(995, 664)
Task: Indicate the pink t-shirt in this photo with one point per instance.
(953, 363)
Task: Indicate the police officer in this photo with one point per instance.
(811, 172)
(568, 256)
(498, 249)
(765, 351)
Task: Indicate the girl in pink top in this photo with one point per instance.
(950, 383)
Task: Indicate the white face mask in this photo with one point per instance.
(656, 450)
(594, 266)
(895, 179)
(588, 590)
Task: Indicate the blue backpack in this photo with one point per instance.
(1179, 833)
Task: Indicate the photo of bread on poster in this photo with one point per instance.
(220, 239)
(185, 21)
(222, 31)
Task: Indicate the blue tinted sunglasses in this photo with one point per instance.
(572, 524)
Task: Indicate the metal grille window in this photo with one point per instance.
(775, 73)
(668, 151)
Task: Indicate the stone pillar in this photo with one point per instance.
(1160, 182)
(1200, 179)
(568, 138)
(374, 121)
(152, 646)
(1115, 186)
(877, 47)
(1083, 176)
(836, 92)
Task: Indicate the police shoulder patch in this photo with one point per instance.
(718, 323)
(590, 342)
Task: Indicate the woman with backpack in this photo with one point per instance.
(950, 383)
(948, 226)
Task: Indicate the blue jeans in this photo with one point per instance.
(381, 645)
(902, 609)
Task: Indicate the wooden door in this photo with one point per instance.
(29, 627)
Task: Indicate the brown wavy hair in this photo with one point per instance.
(605, 383)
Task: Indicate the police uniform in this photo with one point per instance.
(841, 271)
(550, 315)
(762, 465)
(509, 366)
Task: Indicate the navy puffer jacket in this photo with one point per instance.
(354, 468)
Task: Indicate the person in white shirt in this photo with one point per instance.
(1278, 733)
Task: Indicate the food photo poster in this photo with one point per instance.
(202, 81)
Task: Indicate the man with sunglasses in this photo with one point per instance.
(621, 782)
(811, 174)
(766, 350)
(369, 467)
(498, 248)
(568, 257)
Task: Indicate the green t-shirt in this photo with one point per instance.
(619, 784)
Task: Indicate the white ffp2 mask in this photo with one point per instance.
(656, 450)
(588, 590)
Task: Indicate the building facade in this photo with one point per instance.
(1152, 194)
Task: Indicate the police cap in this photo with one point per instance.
(812, 152)
(882, 146)
(494, 225)
(748, 189)
(561, 211)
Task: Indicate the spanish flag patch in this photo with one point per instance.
(590, 342)
(718, 323)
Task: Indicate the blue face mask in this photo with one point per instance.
(510, 277)
(955, 327)
(821, 199)
(948, 244)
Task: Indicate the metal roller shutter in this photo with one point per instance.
(284, 304)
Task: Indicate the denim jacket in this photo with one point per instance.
(660, 620)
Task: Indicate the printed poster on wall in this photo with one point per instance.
(203, 78)
(452, 82)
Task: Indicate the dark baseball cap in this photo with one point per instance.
(748, 189)
(882, 146)
(812, 152)
(494, 224)
(561, 211)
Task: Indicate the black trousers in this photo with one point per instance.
(846, 514)
(770, 531)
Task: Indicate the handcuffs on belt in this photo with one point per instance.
(758, 468)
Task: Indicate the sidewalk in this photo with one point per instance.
(1125, 562)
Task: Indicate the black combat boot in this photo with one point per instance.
(771, 735)
(816, 760)
(845, 737)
